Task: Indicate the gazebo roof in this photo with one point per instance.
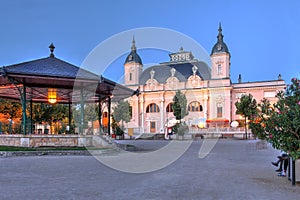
(49, 66)
(50, 72)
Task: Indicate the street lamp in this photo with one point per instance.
(10, 126)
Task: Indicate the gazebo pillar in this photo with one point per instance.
(70, 118)
(81, 111)
(23, 102)
(100, 116)
(31, 113)
(109, 114)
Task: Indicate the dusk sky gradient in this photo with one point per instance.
(262, 36)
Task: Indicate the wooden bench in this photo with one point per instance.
(227, 135)
(197, 135)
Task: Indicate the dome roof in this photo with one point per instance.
(220, 46)
(133, 56)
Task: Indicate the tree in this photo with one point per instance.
(122, 113)
(279, 124)
(179, 105)
(11, 108)
(91, 114)
(43, 112)
(258, 120)
(247, 108)
(180, 111)
(11, 115)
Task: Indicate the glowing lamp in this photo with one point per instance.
(52, 95)
(201, 125)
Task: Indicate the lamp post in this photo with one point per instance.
(52, 95)
(9, 127)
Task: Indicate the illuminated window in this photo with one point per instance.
(195, 107)
(152, 108)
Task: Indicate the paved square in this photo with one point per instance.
(235, 169)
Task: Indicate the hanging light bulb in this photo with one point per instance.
(52, 95)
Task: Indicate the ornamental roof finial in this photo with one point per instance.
(220, 35)
(51, 47)
(133, 47)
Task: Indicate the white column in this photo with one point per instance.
(162, 111)
(205, 106)
(205, 98)
(142, 113)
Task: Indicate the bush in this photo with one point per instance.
(119, 131)
(182, 129)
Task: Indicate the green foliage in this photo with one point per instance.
(91, 112)
(246, 107)
(49, 113)
(10, 116)
(180, 111)
(116, 128)
(11, 108)
(52, 114)
(179, 105)
(91, 115)
(122, 112)
(280, 124)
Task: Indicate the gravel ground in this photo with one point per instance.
(234, 169)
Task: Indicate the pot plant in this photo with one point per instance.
(182, 129)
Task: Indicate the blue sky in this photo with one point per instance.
(262, 36)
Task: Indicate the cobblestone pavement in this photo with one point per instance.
(235, 169)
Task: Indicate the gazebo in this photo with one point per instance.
(53, 80)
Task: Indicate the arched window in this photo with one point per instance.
(152, 108)
(169, 107)
(219, 69)
(195, 107)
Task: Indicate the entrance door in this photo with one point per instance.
(105, 121)
(152, 127)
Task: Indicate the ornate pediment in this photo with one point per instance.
(181, 56)
(172, 83)
(194, 81)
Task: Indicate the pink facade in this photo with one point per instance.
(210, 94)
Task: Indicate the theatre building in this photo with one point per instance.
(210, 93)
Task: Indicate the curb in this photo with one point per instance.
(6, 154)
